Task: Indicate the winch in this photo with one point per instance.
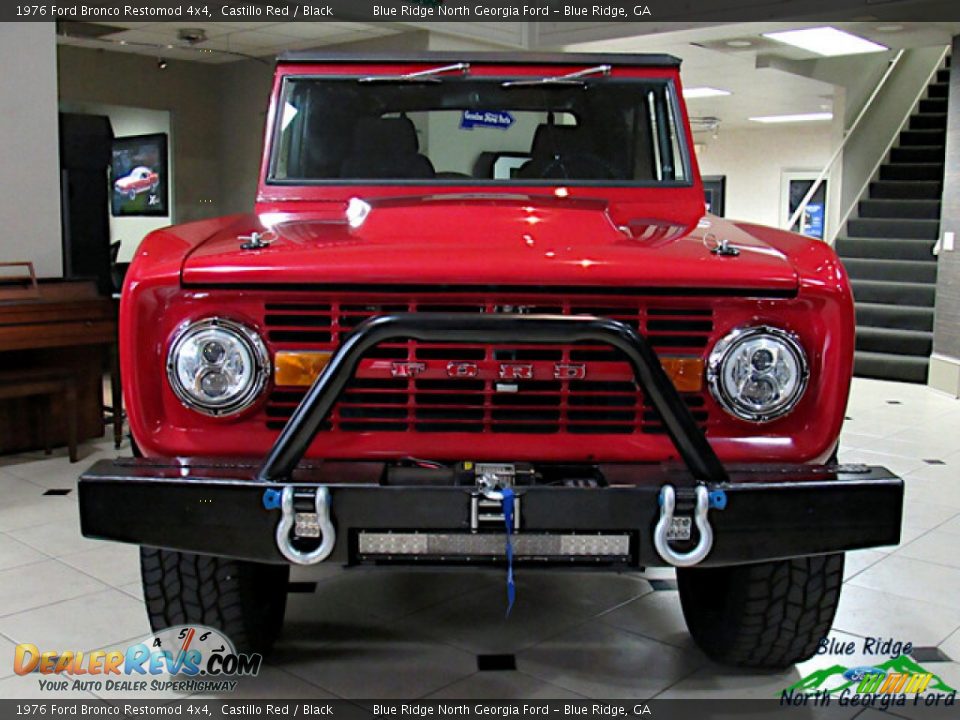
(490, 480)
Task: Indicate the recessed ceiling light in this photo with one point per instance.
(800, 117)
(703, 92)
(739, 43)
(889, 28)
(827, 41)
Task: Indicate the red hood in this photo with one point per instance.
(487, 241)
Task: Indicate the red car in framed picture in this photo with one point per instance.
(140, 179)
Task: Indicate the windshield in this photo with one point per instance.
(468, 130)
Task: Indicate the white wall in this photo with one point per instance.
(128, 121)
(29, 147)
(753, 159)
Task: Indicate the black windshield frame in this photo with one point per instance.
(674, 113)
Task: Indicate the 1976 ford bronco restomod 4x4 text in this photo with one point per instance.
(479, 300)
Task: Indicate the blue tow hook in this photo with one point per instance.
(272, 499)
(718, 499)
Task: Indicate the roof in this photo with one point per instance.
(480, 58)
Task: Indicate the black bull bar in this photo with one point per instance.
(328, 510)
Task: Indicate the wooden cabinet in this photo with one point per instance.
(68, 326)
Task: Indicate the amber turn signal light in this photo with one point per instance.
(299, 369)
(686, 373)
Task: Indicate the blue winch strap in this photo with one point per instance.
(508, 521)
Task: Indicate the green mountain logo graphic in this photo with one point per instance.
(831, 679)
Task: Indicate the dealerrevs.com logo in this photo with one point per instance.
(185, 658)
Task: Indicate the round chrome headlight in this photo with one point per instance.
(217, 367)
(757, 374)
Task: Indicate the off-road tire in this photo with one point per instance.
(765, 615)
(244, 600)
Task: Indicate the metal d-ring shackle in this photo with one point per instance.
(668, 502)
(328, 536)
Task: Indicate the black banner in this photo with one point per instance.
(823, 709)
(542, 11)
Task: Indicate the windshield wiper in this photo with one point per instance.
(574, 78)
(419, 76)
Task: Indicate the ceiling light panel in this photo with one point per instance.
(703, 92)
(800, 117)
(827, 41)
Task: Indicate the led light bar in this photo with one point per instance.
(397, 545)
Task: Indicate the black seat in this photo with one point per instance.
(563, 151)
(324, 147)
(483, 165)
(386, 148)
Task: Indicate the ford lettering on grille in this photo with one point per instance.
(414, 386)
(407, 369)
(566, 371)
(462, 369)
(516, 371)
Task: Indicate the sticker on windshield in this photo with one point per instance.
(499, 119)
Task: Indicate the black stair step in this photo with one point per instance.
(917, 154)
(884, 208)
(885, 248)
(906, 368)
(904, 189)
(892, 292)
(911, 171)
(922, 137)
(938, 90)
(903, 317)
(933, 105)
(895, 342)
(928, 121)
(943, 75)
(918, 271)
(893, 228)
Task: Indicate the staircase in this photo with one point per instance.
(887, 248)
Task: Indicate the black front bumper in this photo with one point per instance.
(224, 508)
(771, 513)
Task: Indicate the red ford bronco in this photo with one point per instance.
(480, 316)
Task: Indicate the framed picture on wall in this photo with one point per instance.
(794, 186)
(139, 176)
(714, 191)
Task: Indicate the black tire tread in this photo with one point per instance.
(773, 614)
(245, 601)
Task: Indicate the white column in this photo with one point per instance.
(29, 147)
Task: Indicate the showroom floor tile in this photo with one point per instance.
(504, 684)
(365, 633)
